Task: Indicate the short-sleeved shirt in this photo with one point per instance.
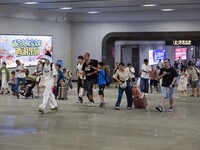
(168, 78)
(20, 74)
(88, 69)
(101, 77)
(131, 72)
(145, 68)
(79, 70)
(193, 74)
(122, 76)
(49, 74)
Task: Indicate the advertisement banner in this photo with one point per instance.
(181, 52)
(156, 55)
(27, 49)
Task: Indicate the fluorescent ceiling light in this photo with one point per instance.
(149, 5)
(93, 12)
(31, 3)
(167, 9)
(66, 8)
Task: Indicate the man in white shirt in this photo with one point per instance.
(49, 73)
(21, 70)
(131, 71)
(144, 80)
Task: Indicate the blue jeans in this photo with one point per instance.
(144, 85)
(17, 85)
(128, 92)
(13, 88)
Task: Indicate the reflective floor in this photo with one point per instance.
(77, 127)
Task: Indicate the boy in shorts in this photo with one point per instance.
(101, 82)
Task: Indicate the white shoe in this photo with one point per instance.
(91, 104)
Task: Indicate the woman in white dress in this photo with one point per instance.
(183, 81)
(5, 76)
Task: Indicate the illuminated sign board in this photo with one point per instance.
(182, 43)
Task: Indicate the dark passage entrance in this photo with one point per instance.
(131, 54)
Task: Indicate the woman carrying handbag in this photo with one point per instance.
(122, 76)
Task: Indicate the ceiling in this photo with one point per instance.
(105, 6)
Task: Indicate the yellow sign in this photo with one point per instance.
(27, 51)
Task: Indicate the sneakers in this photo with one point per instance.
(55, 108)
(117, 108)
(41, 110)
(192, 95)
(91, 104)
(159, 108)
(171, 109)
(102, 105)
(80, 100)
(129, 108)
(8, 92)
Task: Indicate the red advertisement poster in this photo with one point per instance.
(180, 52)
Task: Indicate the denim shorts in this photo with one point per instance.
(167, 92)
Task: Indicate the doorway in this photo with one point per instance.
(131, 54)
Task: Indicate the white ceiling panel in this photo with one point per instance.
(82, 6)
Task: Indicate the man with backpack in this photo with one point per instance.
(50, 81)
(194, 75)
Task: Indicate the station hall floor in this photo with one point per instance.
(78, 127)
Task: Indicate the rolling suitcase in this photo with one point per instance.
(62, 93)
(139, 99)
(140, 103)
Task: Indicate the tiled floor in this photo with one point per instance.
(77, 127)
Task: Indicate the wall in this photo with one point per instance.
(88, 36)
(61, 32)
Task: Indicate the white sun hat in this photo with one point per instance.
(46, 57)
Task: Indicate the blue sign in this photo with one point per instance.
(156, 55)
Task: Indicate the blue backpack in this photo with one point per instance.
(107, 78)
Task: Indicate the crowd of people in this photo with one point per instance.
(162, 77)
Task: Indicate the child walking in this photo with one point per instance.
(101, 82)
(13, 82)
(5, 76)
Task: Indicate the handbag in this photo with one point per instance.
(82, 92)
(123, 85)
